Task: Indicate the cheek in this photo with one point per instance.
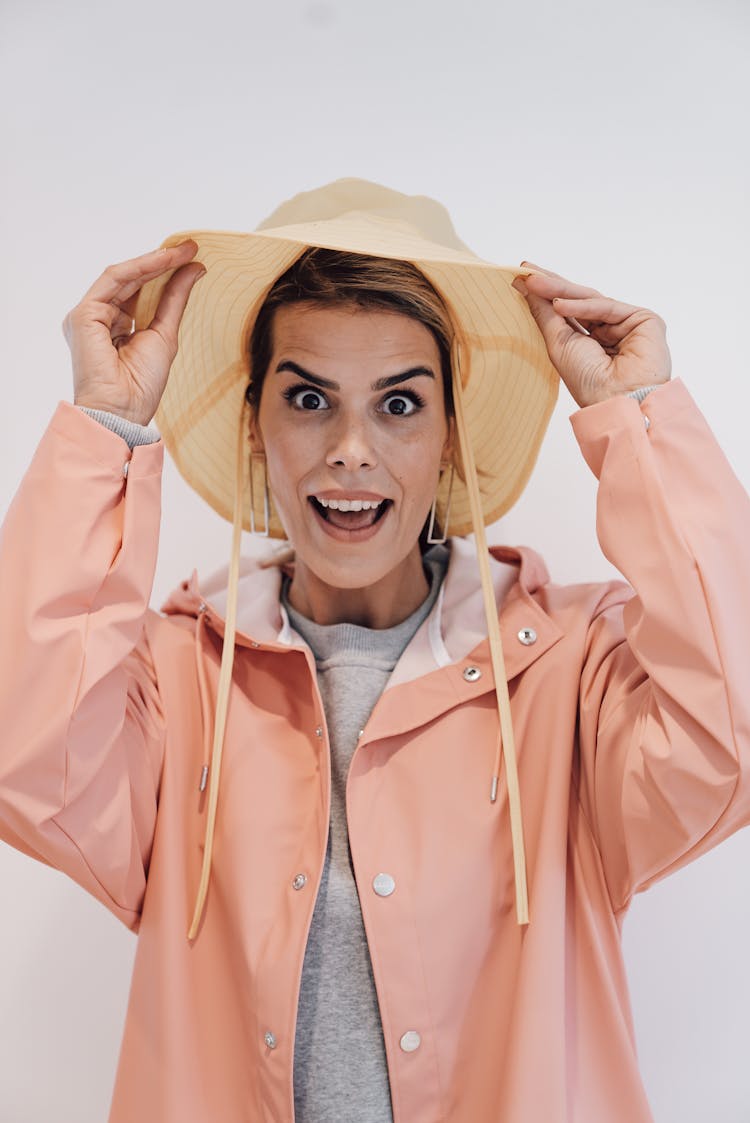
(292, 463)
(284, 460)
(418, 473)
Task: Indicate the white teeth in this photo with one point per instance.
(350, 504)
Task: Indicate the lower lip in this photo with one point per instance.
(341, 535)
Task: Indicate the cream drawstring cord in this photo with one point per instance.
(205, 698)
(505, 738)
(225, 677)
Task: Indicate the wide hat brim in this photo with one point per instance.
(509, 384)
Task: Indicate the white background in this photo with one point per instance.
(607, 142)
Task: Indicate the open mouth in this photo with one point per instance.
(351, 514)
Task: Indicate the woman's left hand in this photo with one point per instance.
(625, 347)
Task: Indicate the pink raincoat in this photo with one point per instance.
(632, 722)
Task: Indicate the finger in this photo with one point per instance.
(121, 281)
(520, 284)
(600, 309)
(538, 268)
(553, 325)
(551, 285)
(568, 347)
(172, 302)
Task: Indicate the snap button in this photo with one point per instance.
(202, 606)
(126, 468)
(319, 731)
(471, 674)
(527, 636)
(410, 1041)
(270, 1040)
(300, 881)
(383, 884)
(254, 643)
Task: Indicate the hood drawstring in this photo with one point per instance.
(505, 737)
(205, 697)
(225, 677)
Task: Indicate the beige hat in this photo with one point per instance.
(504, 390)
(509, 385)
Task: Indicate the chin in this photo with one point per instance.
(348, 573)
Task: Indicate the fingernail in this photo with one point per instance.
(519, 284)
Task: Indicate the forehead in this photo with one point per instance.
(341, 332)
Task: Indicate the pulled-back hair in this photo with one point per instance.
(334, 278)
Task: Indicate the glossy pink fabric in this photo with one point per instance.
(632, 721)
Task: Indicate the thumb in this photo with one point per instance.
(173, 301)
(555, 329)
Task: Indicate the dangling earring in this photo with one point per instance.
(430, 539)
(260, 458)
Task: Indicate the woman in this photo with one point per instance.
(302, 764)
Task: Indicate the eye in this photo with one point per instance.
(401, 405)
(305, 397)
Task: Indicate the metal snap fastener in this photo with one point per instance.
(471, 674)
(254, 643)
(410, 1041)
(383, 884)
(202, 606)
(270, 1040)
(319, 731)
(527, 636)
(300, 881)
(126, 468)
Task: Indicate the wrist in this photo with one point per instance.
(114, 410)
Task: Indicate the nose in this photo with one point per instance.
(351, 447)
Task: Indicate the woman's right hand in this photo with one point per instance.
(115, 368)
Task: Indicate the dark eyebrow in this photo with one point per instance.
(379, 384)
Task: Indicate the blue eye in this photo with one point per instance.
(305, 397)
(401, 405)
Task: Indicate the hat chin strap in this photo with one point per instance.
(505, 737)
(225, 677)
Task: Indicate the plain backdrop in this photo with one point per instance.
(607, 142)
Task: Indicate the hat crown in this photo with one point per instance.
(349, 197)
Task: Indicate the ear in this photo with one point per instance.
(448, 446)
(256, 440)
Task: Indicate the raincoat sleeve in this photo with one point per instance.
(82, 727)
(664, 709)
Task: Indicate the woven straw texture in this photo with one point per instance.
(509, 384)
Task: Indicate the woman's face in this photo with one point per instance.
(352, 421)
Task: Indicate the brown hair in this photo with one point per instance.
(335, 277)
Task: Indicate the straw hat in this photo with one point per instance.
(509, 385)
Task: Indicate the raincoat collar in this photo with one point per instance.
(455, 629)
